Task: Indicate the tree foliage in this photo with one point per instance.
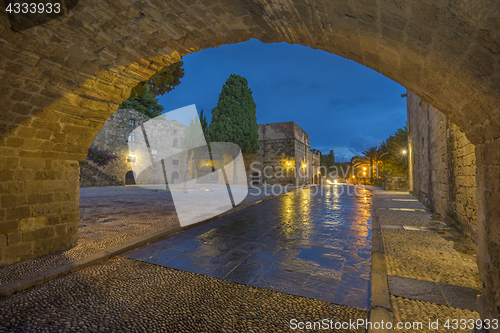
(372, 160)
(146, 103)
(327, 162)
(234, 118)
(204, 124)
(396, 162)
(193, 138)
(162, 81)
(143, 97)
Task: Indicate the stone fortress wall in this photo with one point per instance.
(443, 166)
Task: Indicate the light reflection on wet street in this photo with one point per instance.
(314, 243)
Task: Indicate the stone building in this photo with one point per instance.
(442, 165)
(284, 157)
(122, 127)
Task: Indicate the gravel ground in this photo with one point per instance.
(122, 295)
(406, 310)
(427, 256)
(111, 216)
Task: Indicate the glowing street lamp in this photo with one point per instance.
(404, 152)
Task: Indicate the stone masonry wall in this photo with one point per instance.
(39, 211)
(93, 176)
(278, 161)
(113, 137)
(396, 183)
(443, 166)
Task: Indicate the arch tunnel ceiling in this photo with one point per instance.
(68, 76)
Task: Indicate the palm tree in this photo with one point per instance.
(373, 157)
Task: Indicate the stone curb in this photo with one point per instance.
(380, 307)
(9, 289)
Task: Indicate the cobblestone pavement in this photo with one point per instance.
(411, 311)
(417, 245)
(123, 295)
(427, 256)
(111, 216)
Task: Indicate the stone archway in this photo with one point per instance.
(62, 80)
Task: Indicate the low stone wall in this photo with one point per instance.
(91, 175)
(442, 166)
(396, 183)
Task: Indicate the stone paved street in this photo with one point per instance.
(314, 242)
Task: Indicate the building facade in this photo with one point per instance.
(284, 157)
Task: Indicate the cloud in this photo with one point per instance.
(362, 142)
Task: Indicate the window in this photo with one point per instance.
(175, 162)
(131, 137)
(175, 131)
(176, 143)
(132, 122)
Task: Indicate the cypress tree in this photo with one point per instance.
(204, 124)
(234, 118)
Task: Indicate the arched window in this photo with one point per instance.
(131, 137)
(176, 143)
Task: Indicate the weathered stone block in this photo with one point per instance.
(61, 229)
(32, 163)
(58, 185)
(14, 238)
(21, 212)
(6, 175)
(39, 234)
(9, 200)
(18, 250)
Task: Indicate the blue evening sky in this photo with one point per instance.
(343, 105)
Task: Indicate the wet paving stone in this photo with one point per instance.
(315, 244)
